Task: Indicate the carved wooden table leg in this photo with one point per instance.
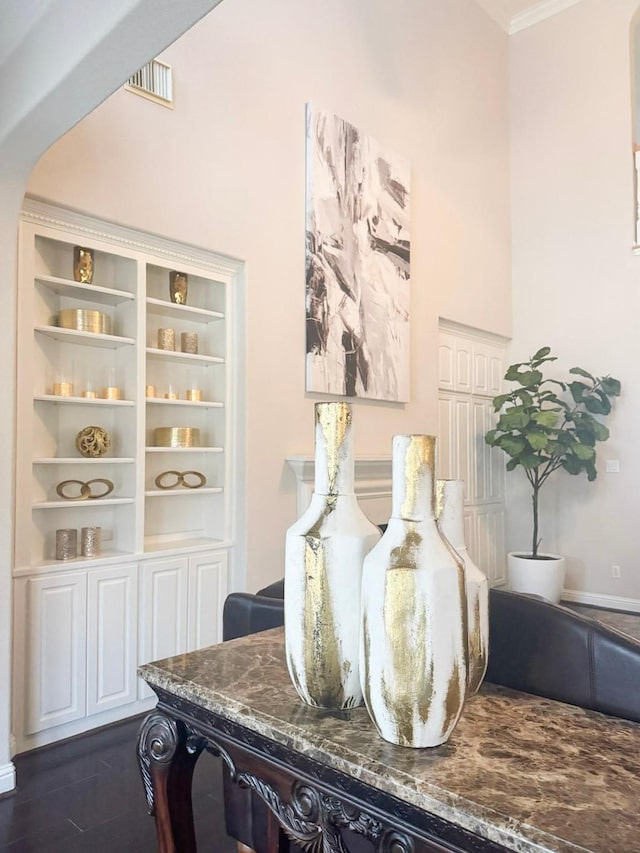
(167, 756)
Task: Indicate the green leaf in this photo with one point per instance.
(490, 437)
(547, 418)
(543, 352)
(578, 371)
(512, 464)
(591, 471)
(513, 445)
(572, 464)
(578, 390)
(525, 397)
(513, 420)
(538, 440)
(584, 452)
(500, 400)
(611, 386)
(597, 406)
(531, 460)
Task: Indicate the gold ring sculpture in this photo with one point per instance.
(180, 479)
(86, 492)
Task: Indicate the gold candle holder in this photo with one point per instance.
(150, 391)
(63, 389)
(177, 437)
(166, 339)
(111, 392)
(91, 541)
(66, 543)
(194, 394)
(90, 395)
(189, 342)
(171, 395)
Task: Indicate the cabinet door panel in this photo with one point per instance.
(163, 611)
(207, 591)
(56, 650)
(446, 438)
(111, 638)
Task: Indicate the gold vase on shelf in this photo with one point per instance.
(178, 287)
(83, 259)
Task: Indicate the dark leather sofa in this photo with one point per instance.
(534, 646)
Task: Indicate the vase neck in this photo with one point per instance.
(413, 472)
(450, 510)
(334, 464)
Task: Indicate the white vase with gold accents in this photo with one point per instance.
(323, 572)
(450, 512)
(413, 651)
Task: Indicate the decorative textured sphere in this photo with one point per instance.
(93, 441)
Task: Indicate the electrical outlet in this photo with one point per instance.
(615, 572)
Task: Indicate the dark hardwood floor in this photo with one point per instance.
(86, 796)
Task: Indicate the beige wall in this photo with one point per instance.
(576, 283)
(225, 170)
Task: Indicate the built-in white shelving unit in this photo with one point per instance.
(157, 588)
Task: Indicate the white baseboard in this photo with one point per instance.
(7, 778)
(595, 599)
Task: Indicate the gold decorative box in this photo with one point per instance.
(177, 437)
(83, 320)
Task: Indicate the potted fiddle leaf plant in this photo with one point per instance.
(546, 424)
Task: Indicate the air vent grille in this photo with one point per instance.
(154, 81)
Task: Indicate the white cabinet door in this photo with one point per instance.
(163, 608)
(207, 590)
(112, 599)
(56, 650)
(163, 612)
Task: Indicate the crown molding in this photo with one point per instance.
(534, 13)
(538, 12)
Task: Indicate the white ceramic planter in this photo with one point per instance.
(537, 577)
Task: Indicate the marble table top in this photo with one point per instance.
(531, 774)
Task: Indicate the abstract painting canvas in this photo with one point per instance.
(357, 263)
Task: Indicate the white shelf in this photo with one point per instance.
(170, 355)
(75, 460)
(184, 449)
(90, 292)
(89, 339)
(195, 404)
(186, 312)
(78, 563)
(80, 401)
(165, 493)
(82, 503)
(168, 544)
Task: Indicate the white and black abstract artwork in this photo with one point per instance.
(357, 263)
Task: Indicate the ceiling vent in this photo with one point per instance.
(154, 81)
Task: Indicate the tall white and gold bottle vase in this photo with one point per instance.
(413, 650)
(323, 572)
(450, 512)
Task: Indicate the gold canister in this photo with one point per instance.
(150, 391)
(189, 342)
(91, 541)
(177, 437)
(84, 320)
(166, 339)
(194, 395)
(66, 543)
(83, 259)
